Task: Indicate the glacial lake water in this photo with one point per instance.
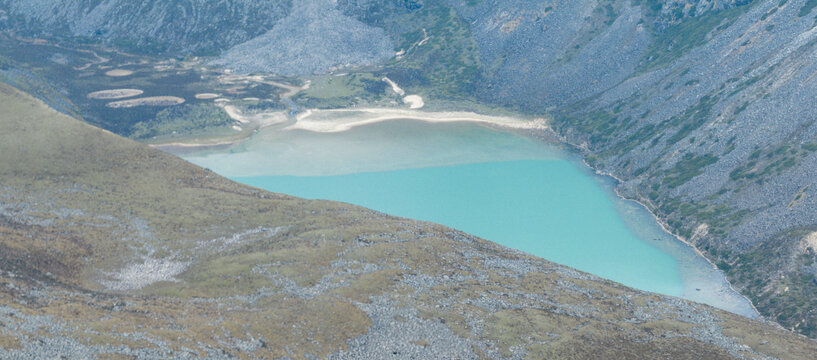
(502, 186)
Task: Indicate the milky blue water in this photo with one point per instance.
(501, 186)
(544, 207)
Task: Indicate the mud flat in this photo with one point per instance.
(119, 73)
(115, 94)
(148, 101)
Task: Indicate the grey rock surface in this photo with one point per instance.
(178, 26)
(314, 38)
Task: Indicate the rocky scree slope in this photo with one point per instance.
(314, 38)
(111, 248)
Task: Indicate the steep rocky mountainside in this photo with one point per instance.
(314, 38)
(278, 36)
(111, 248)
(704, 109)
(718, 136)
(177, 26)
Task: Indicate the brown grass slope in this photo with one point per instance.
(111, 249)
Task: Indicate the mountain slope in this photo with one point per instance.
(177, 26)
(278, 36)
(110, 247)
(704, 109)
(723, 149)
(314, 38)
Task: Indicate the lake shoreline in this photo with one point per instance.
(579, 151)
(336, 123)
(338, 120)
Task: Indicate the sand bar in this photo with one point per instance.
(148, 101)
(330, 121)
(115, 94)
(119, 73)
(260, 120)
(206, 96)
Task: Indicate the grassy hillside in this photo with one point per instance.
(703, 108)
(111, 248)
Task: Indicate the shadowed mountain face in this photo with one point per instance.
(704, 109)
(112, 248)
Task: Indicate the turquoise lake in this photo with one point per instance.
(502, 186)
(543, 207)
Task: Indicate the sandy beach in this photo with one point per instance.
(339, 120)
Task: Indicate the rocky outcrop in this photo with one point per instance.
(314, 38)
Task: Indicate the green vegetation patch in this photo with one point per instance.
(692, 118)
(182, 120)
(333, 91)
(4, 62)
(439, 59)
(807, 7)
(441, 55)
(685, 216)
(604, 15)
(687, 168)
(679, 39)
(786, 296)
(763, 163)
